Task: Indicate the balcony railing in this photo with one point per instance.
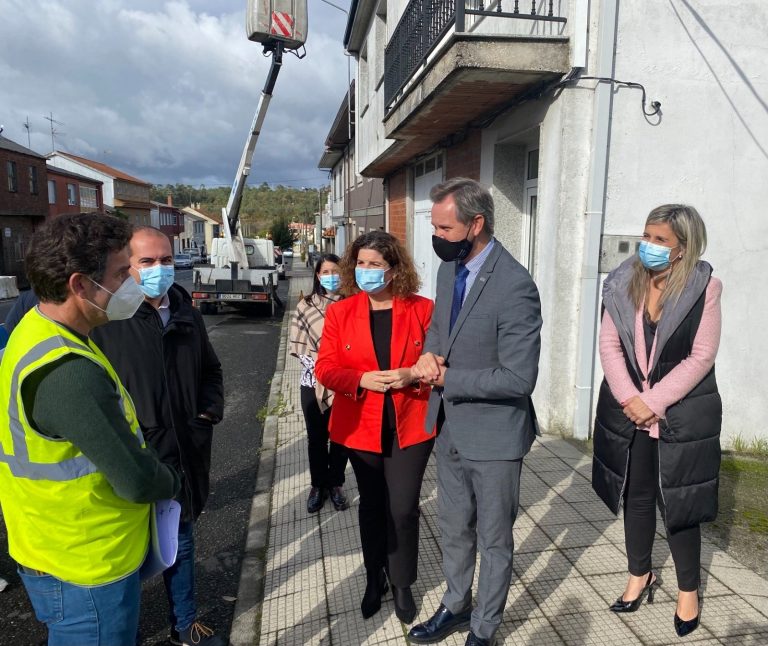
(425, 22)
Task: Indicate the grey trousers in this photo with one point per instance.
(477, 507)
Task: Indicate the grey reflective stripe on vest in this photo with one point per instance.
(19, 463)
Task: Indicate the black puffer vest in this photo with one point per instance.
(689, 447)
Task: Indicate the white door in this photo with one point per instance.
(426, 174)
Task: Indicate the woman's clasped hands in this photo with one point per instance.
(381, 381)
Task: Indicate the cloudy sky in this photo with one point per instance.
(166, 89)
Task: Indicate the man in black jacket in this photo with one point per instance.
(166, 362)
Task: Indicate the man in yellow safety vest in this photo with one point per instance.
(76, 479)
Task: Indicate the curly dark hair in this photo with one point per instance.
(317, 288)
(69, 244)
(405, 278)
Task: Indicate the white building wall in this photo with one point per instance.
(705, 62)
(108, 187)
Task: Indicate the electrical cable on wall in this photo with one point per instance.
(655, 105)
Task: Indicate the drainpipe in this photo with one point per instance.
(594, 218)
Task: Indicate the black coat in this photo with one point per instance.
(689, 436)
(172, 375)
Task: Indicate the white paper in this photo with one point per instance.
(164, 538)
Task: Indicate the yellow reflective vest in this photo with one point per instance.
(63, 517)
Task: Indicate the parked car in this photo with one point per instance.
(288, 253)
(197, 257)
(280, 265)
(183, 261)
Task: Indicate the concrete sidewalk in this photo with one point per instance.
(570, 561)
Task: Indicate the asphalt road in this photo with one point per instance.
(247, 347)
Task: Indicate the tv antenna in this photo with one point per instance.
(54, 131)
(28, 127)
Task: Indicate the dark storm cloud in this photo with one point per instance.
(167, 90)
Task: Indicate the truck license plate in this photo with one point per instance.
(231, 297)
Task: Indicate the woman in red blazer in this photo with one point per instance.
(370, 341)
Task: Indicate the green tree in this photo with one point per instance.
(281, 234)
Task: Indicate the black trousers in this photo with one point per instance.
(641, 497)
(390, 484)
(326, 465)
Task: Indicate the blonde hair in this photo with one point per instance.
(688, 227)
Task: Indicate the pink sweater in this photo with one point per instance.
(681, 379)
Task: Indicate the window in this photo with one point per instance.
(51, 191)
(33, 180)
(88, 199)
(13, 179)
(71, 195)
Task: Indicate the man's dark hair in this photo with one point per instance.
(69, 244)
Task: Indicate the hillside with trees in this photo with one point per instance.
(262, 206)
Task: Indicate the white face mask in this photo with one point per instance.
(124, 302)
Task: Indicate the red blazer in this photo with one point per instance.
(346, 352)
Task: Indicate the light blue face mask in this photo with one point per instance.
(330, 282)
(156, 280)
(654, 256)
(371, 280)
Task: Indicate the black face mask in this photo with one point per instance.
(449, 251)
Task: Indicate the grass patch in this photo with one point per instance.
(279, 409)
(756, 446)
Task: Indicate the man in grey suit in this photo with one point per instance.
(481, 355)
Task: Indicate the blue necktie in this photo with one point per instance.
(459, 285)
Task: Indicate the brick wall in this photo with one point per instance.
(397, 185)
(22, 201)
(463, 160)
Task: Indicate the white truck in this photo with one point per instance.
(244, 272)
(256, 282)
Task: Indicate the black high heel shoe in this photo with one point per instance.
(683, 628)
(375, 587)
(630, 606)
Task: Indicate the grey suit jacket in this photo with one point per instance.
(492, 355)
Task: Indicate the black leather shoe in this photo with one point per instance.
(683, 628)
(338, 498)
(375, 587)
(474, 640)
(316, 499)
(405, 606)
(630, 606)
(439, 626)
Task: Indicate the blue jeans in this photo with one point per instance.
(76, 615)
(180, 581)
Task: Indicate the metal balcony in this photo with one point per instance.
(425, 22)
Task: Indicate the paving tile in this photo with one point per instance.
(296, 553)
(731, 615)
(340, 567)
(577, 492)
(597, 559)
(288, 580)
(342, 541)
(574, 535)
(564, 596)
(283, 534)
(311, 634)
(592, 628)
(280, 613)
(538, 464)
(653, 624)
(520, 603)
(755, 639)
(562, 449)
(758, 603)
(543, 566)
(594, 510)
(534, 630)
(740, 580)
(351, 629)
(530, 538)
(710, 586)
(566, 476)
(611, 530)
(555, 513)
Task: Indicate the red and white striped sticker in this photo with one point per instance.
(282, 24)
